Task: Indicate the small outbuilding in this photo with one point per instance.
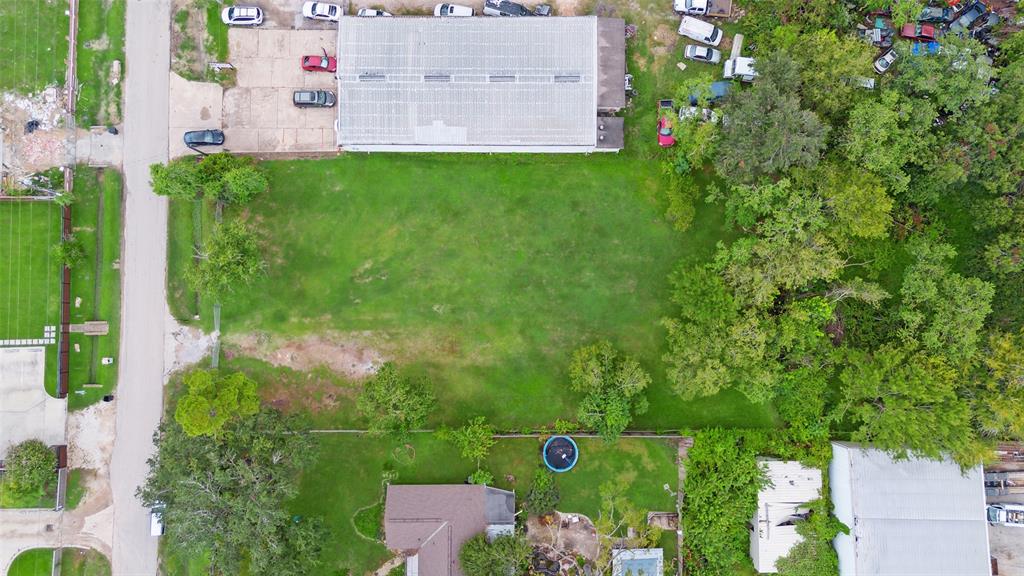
(780, 505)
(907, 517)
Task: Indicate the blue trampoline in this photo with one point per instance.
(560, 453)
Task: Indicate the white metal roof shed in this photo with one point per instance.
(912, 517)
(791, 486)
(468, 84)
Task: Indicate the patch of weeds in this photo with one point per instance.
(369, 521)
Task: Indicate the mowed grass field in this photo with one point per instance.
(100, 42)
(482, 273)
(29, 275)
(96, 283)
(33, 44)
(639, 467)
(35, 562)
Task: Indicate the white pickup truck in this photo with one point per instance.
(1006, 514)
(740, 67)
(694, 7)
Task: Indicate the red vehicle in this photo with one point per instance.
(323, 63)
(666, 110)
(918, 31)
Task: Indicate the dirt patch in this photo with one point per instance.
(562, 535)
(47, 145)
(184, 346)
(346, 354)
(188, 39)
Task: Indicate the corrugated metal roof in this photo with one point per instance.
(912, 517)
(465, 82)
(791, 485)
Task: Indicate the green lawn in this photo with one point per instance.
(42, 497)
(83, 562)
(643, 466)
(100, 42)
(30, 276)
(75, 490)
(35, 562)
(216, 32)
(95, 284)
(482, 272)
(33, 44)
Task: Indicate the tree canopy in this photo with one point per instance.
(393, 404)
(213, 400)
(613, 388)
(230, 259)
(29, 465)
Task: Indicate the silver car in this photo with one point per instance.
(702, 54)
(322, 11)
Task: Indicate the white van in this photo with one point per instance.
(698, 7)
(700, 31)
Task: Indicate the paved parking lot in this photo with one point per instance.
(258, 114)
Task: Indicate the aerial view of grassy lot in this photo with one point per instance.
(481, 273)
(96, 283)
(100, 43)
(33, 44)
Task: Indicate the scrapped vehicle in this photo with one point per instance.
(204, 138)
(885, 61)
(322, 11)
(371, 13)
(719, 90)
(1006, 515)
(924, 48)
(316, 63)
(692, 7)
(881, 37)
(922, 32)
(702, 54)
(242, 16)
(935, 15)
(453, 10)
(740, 67)
(666, 109)
(968, 17)
(313, 98)
(701, 31)
(703, 114)
(505, 8)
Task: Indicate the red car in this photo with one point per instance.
(319, 63)
(922, 32)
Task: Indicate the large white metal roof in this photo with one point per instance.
(907, 517)
(791, 486)
(467, 83)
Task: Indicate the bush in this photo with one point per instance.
(30, 466)
(369, 521)
(506, 555)
(543, 496)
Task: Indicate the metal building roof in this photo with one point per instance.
(791, 486)
(907, 517)
(467, 83)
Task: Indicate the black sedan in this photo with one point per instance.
(204, 138)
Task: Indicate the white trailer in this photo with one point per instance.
(1006, 514)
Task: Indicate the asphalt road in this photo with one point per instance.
(144, 272)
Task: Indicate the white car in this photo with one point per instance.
(885, 61)
(453, 10)
(703, 114)
(242, 16)
(156, 520)
(695, 7)
(702, 54)
(699, 30)
(321, 11)
(371, 12)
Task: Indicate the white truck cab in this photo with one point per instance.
(700, 31)
(740, 67)
(696, 7)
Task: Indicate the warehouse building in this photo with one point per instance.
(531, 84)
(907, 517)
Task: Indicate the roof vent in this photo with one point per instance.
(501, 78)
(567, 78)
(437, 78)
(371, 77)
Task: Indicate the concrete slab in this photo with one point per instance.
(252, 72)
(272, 43)
(192, 106)
(27, 412)
(243, 139)
(287, 72)
(242, 45)
(237, 109)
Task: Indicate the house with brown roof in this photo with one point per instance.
(430, 522)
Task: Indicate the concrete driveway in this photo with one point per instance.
(258, 114)
(27, 412)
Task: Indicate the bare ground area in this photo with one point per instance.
(562, 537)
(90, 442)
(347, 354)
(47, 145)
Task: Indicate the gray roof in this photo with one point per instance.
(468, 83)
(907, 517)
(432, 521)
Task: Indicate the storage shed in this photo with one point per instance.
(780, 505)
(413, 84)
